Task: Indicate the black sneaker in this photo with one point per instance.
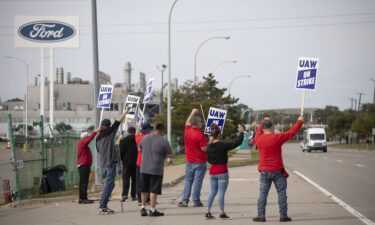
(134, 199)
(182, 204)
(85, 201)
(143, 212)
(209, 216)
(224, 216)
(198, 204)
(155, 213)
(123, 199)
(259, 219)
(285, 219)
(105, 211)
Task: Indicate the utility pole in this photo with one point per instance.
(355, 104)
(359, 99)
(351, 102)
(373, 99)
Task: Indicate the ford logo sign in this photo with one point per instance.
(46, 31)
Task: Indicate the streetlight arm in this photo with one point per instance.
(237, 77)
(196, 53)
(218, 65)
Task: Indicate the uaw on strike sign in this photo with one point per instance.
(307, 73)
(215, 116)
(105, 96)
(132, 103)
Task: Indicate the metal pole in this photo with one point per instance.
(169, 112)
(42, 80)
(42, 155)
(96, 80)
(51, 90)
(218, 65)
(373, 99)
(14, 156)
(196, 54)
(230, 84)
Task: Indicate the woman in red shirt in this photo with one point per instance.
(217, 155)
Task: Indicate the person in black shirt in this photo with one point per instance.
(129, 153)
(217, 155)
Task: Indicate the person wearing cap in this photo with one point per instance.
(196, 159)
(217, 155)
(84, 161)
(140, 132)
(271, 167)
(105, 146)
(128, 153)
(155, 149)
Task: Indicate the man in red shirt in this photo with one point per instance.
(196, 160)
(84, 161)
(271, 166)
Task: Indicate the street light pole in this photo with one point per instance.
(373, 99)
(237, 77)
(27, 65)
(169, 112)
(196, 54)
(218, 65)
(162, 86)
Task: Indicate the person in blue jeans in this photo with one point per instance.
(271, 166)
(196, 159)
(105, 146)
(217, 154)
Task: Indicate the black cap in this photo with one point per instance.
(267, 124)
(131, 130)
(146, 127)
(105, 123)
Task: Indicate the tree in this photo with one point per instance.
(363, 125)
(323, 115)
(205, 94)
(340, 123)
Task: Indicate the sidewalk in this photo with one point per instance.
(172, 176)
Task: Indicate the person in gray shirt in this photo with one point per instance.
(155, 149)
(108, 158)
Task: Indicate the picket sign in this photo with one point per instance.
(217, 116)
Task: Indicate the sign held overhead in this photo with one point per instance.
(217, 116)
(307, 73)
(105, 96)
(132, 104)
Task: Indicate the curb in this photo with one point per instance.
(174, 182)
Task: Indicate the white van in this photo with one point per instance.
(314, 139)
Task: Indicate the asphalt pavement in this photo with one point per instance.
(307, 204)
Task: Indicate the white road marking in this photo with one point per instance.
(339, 160)
(359, 165)
(325, 157)
(357, 214)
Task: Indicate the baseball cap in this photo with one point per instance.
(146, 127)
(106, 123)
(131, 130)
(267, 124)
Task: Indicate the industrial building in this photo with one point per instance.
(74, 99)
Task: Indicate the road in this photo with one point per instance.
(347, 174)
(307, 204)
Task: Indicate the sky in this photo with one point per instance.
(266, 39)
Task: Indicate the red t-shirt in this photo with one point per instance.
(84, 156)
(269, 145)
(138, 139)
(194, 140)
(216, 169)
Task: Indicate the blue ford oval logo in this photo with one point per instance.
(46, 31)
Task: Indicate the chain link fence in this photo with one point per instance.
(24, 168)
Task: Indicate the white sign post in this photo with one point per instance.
(217, 116)
(104, 98)
(306, 76)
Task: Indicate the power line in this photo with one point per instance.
(230, 29)
(228, 21)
